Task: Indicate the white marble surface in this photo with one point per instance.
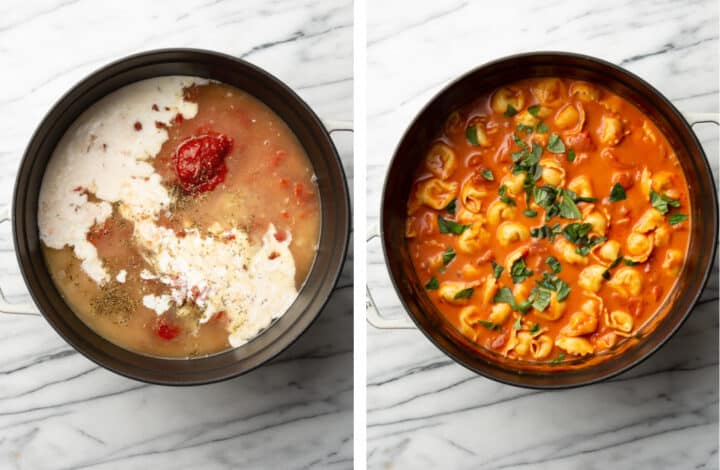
(57, 409)
(424, 411)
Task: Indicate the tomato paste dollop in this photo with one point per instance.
(200, 162)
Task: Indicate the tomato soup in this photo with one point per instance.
(179, 217)
(549, 221)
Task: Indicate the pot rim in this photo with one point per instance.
(518, 382)
(334, 270)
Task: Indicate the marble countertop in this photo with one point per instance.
(59, 410)
(425, 411)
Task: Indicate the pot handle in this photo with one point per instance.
(337, 125)
(373, 315)
(697, 118)
(5, 306)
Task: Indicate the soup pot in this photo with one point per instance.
(325, 271)
(424, 128)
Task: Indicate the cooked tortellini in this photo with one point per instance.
(607, 252)
(580, 323)
(526, 119)
(469, 317)
(577, 346)
(505, 97)
(472, 193)
(441, 161)
(499, 313)
(480, 134)
(515, 255)
(606, 341)
(541, 347)
(549, 91)
(511, 232)
(584, 91)
(552, 172)
(567, 252)
(581, 186)
(591, 278)
(619, 320)
(626, 280)
(490, 287)
(473, 239)
(598, 221)
(611, 130)
(662, 236)
(672, 262)
(570, 117)
(498, 211)
(650, 220)
(639, 246)
(554, 310)
(663, 182)
(437, 193)
(451, 291)
(465, 216)
(514, 184)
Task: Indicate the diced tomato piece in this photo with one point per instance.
(166, 330)
(280, 236)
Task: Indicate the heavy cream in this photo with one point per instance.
(108, 154)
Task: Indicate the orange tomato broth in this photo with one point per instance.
(641, 146)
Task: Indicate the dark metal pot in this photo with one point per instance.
(423, 129)
(334, 233)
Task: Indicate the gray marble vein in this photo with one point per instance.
(424, 411)
(60, 411)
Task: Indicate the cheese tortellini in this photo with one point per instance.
(511, 232)
(441, 161)
(505, 97)
(437, 193)
(626, 280)
(472, 194)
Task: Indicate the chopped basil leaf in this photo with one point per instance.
(555, 144)
(584, 199)
(464, 294)
(517, 325)
(629, 262)
(577, 233)
(504, 295)
(535, 328)
(535, 154)
(519, 142)
(542, 299)
(510, 111)
(497, 269)
(524, 128)
(449, 226)
(489, 325)
(554, 264)
(545, 196)
(546, 231)
(488, 174)
(519, 271)
(571, 155)
(606, 273)
(542, 128)
(558, 359)
(662, 203)
(448, 255)
(524, 306)
(529, 213)
(617, 193)
(450, 208)
(471, 134)
(503, 197)
(554, 283)
(676, 218)
(432, 284)
(567, 207)
(534, 109)
(563, 290)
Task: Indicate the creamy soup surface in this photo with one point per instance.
(179, 217)
(549, 222)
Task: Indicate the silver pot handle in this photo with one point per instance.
(373, 315)
(5, 306)
(337, 125)
(697, 118)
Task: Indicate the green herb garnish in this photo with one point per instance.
(662, 203)
(676, 218)
(502, 191)
(571, 155)
(449, 226)
(535, 328)
(617, 193)
(488, 174)
(510, 111)
(450, 208)
(529, 213)
(567, 209)
(464, 294)
(448, 255)
(554, 264)
(489, 325)
(558, 359)
(432, 284)
(519, 271)
(555, 144)
(534, 109)
(471, 134)
(542, 299)
(497, 269)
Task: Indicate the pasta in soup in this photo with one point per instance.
(179, 217)
(549, 221)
